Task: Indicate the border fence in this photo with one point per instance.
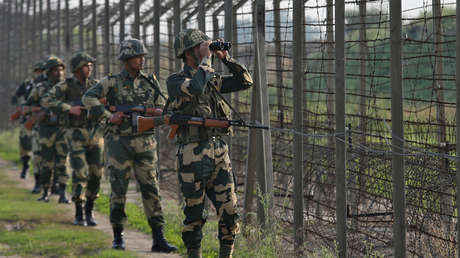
(361, 97)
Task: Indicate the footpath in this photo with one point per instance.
(137, 243)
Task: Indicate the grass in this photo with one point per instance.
(31, 228)
(260, 246)
(9, 145)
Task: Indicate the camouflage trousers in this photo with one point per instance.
(136, 153)
(53, 153)
(36, 151)
(205, 168)
(25, 142)
(85, 155)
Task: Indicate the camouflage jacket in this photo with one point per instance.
(36, 95)
(122, 89)
(21, 93)
(196, 92)
(65, 94)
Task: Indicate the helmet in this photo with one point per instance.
(188, 39)
(51, 62)
(131, 48)
(79, 60)
(38, 66)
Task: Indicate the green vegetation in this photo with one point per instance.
(9, 145)
(255, 244)
(31, 228)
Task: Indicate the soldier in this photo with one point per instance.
(53, 148)
(127, 149)
(84, 143)
(203, 161)
(25, 136)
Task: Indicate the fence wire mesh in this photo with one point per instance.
(32, 29)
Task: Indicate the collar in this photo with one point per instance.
(125, 74)
(189, 70)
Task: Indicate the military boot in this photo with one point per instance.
(79, 214)
(225, 251)
(160, 244)
(89, 213)
(44, 197)
(37, 187)
(25, 166)
(194, 253)
(62, 197)
(118, 242)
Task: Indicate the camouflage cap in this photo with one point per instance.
(79, 60)
(131, 48)
(51, 62)
(188, 39)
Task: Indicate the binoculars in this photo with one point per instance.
(219, 45)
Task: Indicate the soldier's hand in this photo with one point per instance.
(25, 110)
(221, 54)
(116, 118)
(75, 110)
(204, 49)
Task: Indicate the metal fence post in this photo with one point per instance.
(136, 25)
(264, 158)
(40, 28)
(399, 202)
(94, 34)
(156, 39)
(340, 149)
(58, 31)
(298, 85)
(361, 181)
(177, 27)
(201, 15)
(457, 107)
(80, 27)
(21, 46)
(68, 31)
(48, 27)
(107, 37)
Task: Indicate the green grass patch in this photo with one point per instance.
(31, 228)
(9, 145)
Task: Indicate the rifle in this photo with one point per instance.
(128, 109)
(16, 114)
(39, 115)
(176, 120)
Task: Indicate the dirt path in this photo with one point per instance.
(136, 241)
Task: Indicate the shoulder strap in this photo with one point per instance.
(226, 102)
(154, 86)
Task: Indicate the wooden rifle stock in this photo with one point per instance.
(149, 123)
(29, 124)
(16, 114)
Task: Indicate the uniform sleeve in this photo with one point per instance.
(54, 98)
(239, 80)
(180, 86)
(91, 98)
(33, 99)
(20, 91)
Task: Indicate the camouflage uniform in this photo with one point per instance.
(127, 149)
(203, 159)
(53, 148)
(25, 136)
(85, 150)
(36, 156)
